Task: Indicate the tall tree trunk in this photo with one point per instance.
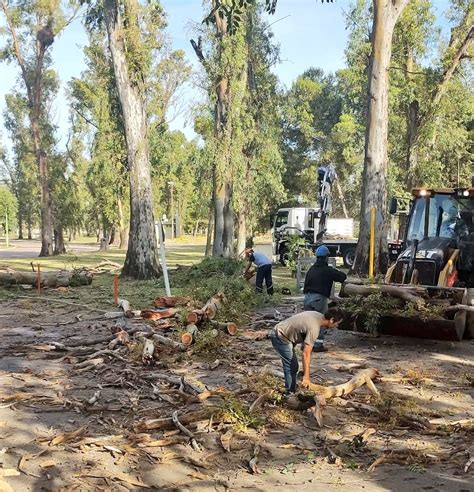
(29, 224)
(141, 261)
(122, 226)
(386, 14)
(241, 231)
(210, 230)
(20, 222)
(59, 246)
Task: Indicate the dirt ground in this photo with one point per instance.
(66, 427)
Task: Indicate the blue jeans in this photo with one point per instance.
(288, 359)
(316, 302)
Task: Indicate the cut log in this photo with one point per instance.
(147, 352)
(365, 376)
(230, 328)
(64, 278)
(154, 315)
(407, 294)
(208, 311)
(125, 305)
(188, 336)
(170, 301)
(169, 342)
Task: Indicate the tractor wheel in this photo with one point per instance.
(469, 331)
(349, 257)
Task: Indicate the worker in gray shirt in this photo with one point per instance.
(301, 328)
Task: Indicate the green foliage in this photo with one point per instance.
(234, 411)
(8, 207)
(370, 308)
(213, 275)
(295, 244)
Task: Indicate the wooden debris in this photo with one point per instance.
(186, 431)
(167, 423)
(94, 398)
(253, 461)
(407, 294)
(66, 437)
(208, 311)
(171, 301)
(155, 315)
(230, 328)
(125, 305)
(148, 350)
(187, 337)
(226, 439)
(169, 342)
(352, 367)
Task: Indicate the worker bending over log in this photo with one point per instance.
(317, 288)
(301, 328)
(264, 270)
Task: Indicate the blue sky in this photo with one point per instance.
(310, 33)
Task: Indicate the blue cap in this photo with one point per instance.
(322, 251)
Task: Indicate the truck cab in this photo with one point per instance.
(304, 222)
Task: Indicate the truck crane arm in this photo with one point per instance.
(326, 176)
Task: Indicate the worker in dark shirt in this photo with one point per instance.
(317, 288)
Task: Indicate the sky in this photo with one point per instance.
(310, 34)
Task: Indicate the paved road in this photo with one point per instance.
(31, 248)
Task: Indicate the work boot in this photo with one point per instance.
(320, 348)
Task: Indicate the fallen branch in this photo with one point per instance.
(407, 294)
(65, 278)
(362, 377)
(186, 431)
(167, 423)
(169, 342)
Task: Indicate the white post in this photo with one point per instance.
(163, 258)
(7, 239)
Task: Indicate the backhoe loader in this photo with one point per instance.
(435, 268)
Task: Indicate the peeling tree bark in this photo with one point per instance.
(141, 261)
(386, 14)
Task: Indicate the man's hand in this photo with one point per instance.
(306, 383)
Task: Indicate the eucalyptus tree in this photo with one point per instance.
(31, 29)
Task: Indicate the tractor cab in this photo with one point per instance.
(438, 247)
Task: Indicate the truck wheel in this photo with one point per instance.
(349, 257)
(469, 331)
(283, 255)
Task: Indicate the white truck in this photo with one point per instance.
(304, 222)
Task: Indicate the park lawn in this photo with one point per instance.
(99, 295)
